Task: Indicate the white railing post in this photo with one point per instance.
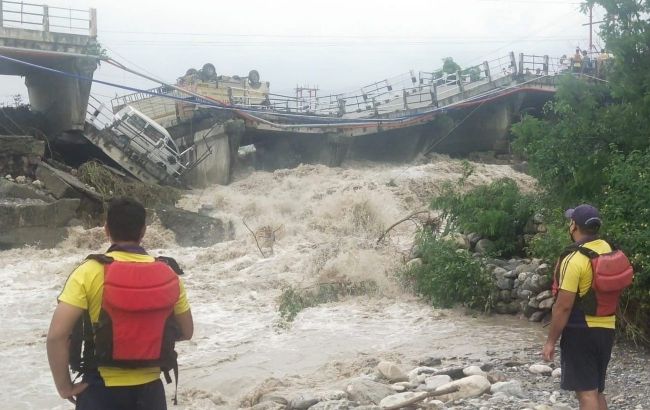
(513, 63)
(545, 66)
(93, 23)
(46, 18)
(434, 92)
(486, 68)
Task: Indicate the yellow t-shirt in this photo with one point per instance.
(84, 289)
(576, 276)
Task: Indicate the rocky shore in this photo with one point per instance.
(453, 383)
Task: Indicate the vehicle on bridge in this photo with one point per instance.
(141, 137)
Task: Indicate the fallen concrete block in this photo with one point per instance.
(63, 185)
(193, 229)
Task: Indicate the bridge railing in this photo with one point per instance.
(18, 14)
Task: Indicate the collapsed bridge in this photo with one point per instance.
(190, 133)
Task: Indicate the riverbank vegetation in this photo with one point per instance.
(591, 144)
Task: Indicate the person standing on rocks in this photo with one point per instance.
(582, 315)
(117, 320)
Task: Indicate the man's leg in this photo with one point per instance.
(151, 396)
(589, 400)
(602, 401)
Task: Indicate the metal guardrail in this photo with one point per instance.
(403, 92)
(18, 14)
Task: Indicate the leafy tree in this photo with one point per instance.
(498, 211)
(626, 31)
(449, 66)
(593, 145)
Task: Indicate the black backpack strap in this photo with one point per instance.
(101, 258)
(589, 253)
(168, 380)
(82, 346)
(171, 262)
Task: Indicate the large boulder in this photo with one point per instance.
(303, 401)
(10, 189)
(342, 404)
(193, 229)
(468, 387)
(365, 391)
(34, 222)
(484, 246)
(401, 400)
(19, 154)
(510, 388)
(391, 372)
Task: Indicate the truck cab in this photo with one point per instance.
(145, 140)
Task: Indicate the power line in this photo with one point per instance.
(329, 45)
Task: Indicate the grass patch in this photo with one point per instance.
(293, 300)
(110, 185)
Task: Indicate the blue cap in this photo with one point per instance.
(584, 215)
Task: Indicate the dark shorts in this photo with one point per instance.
(150, 396)
(585, 354)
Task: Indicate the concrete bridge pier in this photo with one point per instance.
(214, 144)
(54, 38)
(487, 128)
(63, 100)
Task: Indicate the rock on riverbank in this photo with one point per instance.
(497, 384)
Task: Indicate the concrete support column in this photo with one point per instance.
(219, 145)
(63, 100)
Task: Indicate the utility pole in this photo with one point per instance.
(591, 28)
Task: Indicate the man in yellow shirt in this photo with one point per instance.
(125, 375)
(587, 340)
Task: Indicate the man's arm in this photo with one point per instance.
(63, 321)
(561, 311)
(186, 324)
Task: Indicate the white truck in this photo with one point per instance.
(142, 139)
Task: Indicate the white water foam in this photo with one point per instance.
(326, 223)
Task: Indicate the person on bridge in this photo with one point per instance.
(576, 61)
(117, 320)
(583, 313)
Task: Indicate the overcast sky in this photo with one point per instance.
(338, 45)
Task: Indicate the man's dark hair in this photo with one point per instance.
(591, 229)
(125, 219)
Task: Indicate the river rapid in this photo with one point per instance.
(326, 222)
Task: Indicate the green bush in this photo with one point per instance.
(498, 211)
(548, 245)
(293, 300)
(449, 276)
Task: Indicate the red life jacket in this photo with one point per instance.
(136, 326)
(612, 274)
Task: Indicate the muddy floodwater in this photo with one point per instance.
(326, 222)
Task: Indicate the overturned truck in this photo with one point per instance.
(167, 136)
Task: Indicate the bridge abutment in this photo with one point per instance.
(34, 42)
